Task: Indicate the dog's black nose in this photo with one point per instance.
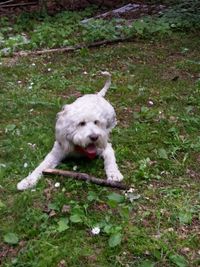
(93, 137)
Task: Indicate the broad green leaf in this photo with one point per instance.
(108, 229)
(92, 196)
(76, 218)
(11, 238)
(116, 197)
(63, 224)
(144, 109)
(178, 260)
(185, 217)
(162, 153)
(10, 127)
(53, 206)
(115, 240)
(131, 87)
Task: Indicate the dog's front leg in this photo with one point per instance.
(110, 164)
(51, 161)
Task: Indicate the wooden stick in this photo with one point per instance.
(6, 2)
(85, 177)
(72, 48)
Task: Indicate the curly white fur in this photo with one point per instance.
(86, 123)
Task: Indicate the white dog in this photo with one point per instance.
(82, 127)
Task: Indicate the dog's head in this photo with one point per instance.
(85, 123)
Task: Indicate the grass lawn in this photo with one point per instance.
(156, 93)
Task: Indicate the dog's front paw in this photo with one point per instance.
(26, 183)
(114, 175)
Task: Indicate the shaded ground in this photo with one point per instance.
(141, 8)
(155, 91)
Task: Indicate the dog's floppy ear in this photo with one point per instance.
(64, 111)
(111, 123)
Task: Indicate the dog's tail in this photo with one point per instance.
(107, 84)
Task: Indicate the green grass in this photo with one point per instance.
(157, 148)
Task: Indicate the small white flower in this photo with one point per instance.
(31, 110)
(25, 165)
(85, 72)
(57, 185)
(33, 64)
(185, 49)
(32, 145)
(75, 168)
(2, 165)
(150, 103)
(30, 87)
(49, 69)
(19, 82)
(95, 230)
(131, 190)
(171, 229)
(32, 83)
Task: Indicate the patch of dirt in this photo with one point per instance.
(8, 251)
(100, 207)
(69, 94)
(125, 116)
(193, 174)
(193, 228)
(10, 61)
(172, 74)
(135, 9)
(15, 7)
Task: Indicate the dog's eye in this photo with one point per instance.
(82, 123)
(96, 122)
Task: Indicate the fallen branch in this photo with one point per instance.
(3, 5)
(6, 2)
(72, 48)
(132, 9)
(85, 177)
(117, 12)
(45, 51)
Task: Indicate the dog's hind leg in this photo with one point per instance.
(54, 157)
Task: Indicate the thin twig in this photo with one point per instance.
(6, 2)
(85, 177)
